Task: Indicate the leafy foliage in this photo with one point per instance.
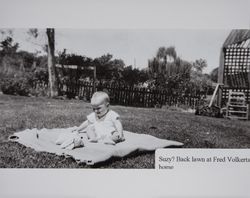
(214, 74)
(133, 76)
(199, 65)
(178, 76)
(8, 46)
(169, 71)
(16, 86)
(108, 69)
(29, 83)
(165, 71)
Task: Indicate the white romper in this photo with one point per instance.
(104, 127)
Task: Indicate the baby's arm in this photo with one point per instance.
(81, 127)
(119, 128)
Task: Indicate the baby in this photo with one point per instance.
(102, 125)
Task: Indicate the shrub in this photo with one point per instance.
(33, 83)
(16, 86)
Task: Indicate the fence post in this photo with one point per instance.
(94, 85)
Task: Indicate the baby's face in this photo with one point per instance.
(100, 109)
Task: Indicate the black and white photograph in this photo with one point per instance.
(108, 98)
(114, 98)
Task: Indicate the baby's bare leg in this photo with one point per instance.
(91, 134)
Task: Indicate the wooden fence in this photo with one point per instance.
(129, 96)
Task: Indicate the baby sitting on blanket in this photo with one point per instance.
(102, 125)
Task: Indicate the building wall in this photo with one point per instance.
(235, 70)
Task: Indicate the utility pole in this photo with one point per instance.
(53, 86)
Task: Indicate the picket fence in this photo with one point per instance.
(129, 96)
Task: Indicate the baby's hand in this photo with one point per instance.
(116, 137)
(75, 130)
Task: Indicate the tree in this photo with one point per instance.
(82, 71)
(108, 69)
(214, 74)
(168, 70)
(200, 64)
(166, 54)
(134, 76)
(8, 46)
(11, 63)
(53, 86)
(50, 49)
(200, 82)
(158, 65)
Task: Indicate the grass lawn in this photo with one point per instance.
(18, 113)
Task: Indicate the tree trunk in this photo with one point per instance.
(53, 86)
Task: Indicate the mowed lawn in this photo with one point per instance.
(18, 113)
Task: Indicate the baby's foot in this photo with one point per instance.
(108, 141)
(72, 143)
(93, 140)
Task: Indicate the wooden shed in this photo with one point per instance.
(234, 69)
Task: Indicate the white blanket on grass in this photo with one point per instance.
(91, 153)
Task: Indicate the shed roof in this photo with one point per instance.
(237, 36)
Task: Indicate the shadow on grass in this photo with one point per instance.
(130, 157)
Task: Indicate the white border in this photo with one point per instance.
(143, 14)
(181, 14)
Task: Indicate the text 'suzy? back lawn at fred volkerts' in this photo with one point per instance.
(191, 158)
